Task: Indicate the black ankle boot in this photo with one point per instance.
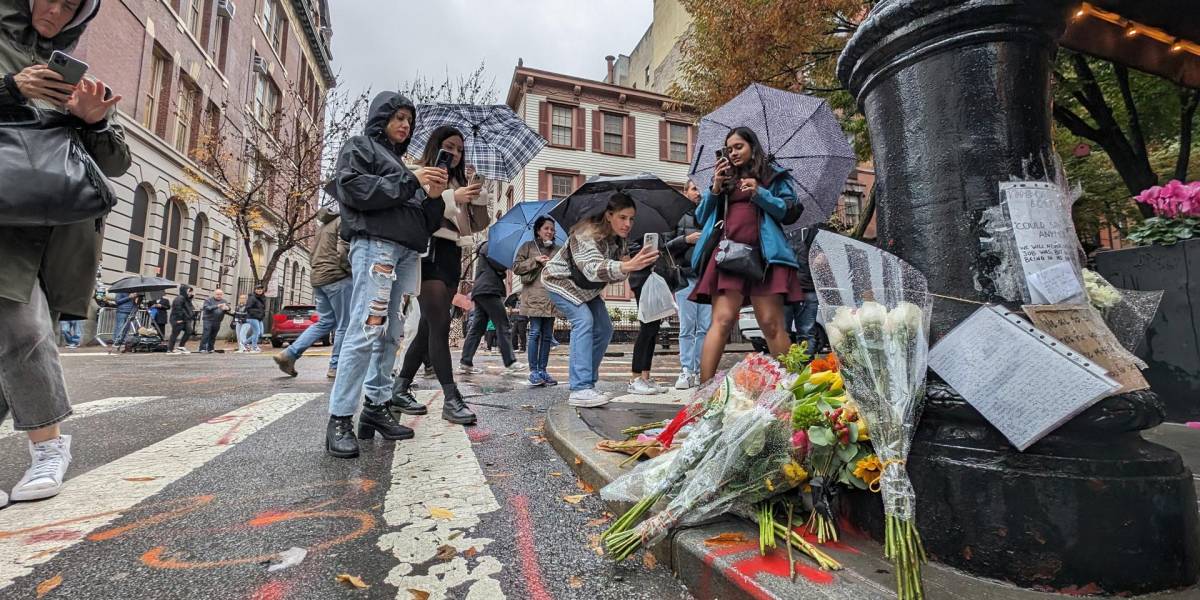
(403, 401)
(455, 410)
(339, 438)
(377, 417)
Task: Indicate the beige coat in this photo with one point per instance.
(535, 302)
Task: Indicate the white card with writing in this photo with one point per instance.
(1024, 382)
(1042, 231)
(1058, 283)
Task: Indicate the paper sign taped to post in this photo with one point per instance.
(1044, 238)
(1023, 381)
(1084, 330)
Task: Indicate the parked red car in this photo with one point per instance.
(291, 321)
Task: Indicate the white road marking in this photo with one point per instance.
(88, 409)
(33, 533)
(437, 469)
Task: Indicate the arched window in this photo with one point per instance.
(199, 233)
(295, 282)
(172, 231)
(283, 276)
(137, 228)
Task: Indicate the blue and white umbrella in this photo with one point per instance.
(800, 133)
(497, 141)
(516, 227)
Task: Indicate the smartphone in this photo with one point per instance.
(71, 68)
(722, 153)
(472, 175)
(650, 241)
(444, 160)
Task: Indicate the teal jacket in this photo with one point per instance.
(773, 200)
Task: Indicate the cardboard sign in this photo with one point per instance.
(1023, 381)
(1044, 240)
(1083, 329)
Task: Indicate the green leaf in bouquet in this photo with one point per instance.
(821, 436)
(847, 453)
(853, 427)
(844, 477)
(823, 406)
(854, 481)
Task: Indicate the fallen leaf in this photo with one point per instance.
(533, 429)
(598, 522)
(143, 478)
(594, 544)
(575, 582)
(471, 552)
(556, 474)
(575, 499)
(526, 406)
(353, 581)
(578, 461)
(649, 561)
(456, 535)
(446, 552)
(537, 439)
(418, 594)
(726, 539)
(587, 489)
(48, 585)
(499, 475)
(440, 513)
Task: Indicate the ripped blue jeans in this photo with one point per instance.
(383, 273)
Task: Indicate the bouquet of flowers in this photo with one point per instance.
(1176, 213)
(875, 308)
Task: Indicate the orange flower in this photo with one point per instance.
(826, 363)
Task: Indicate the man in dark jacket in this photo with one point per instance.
(694, 318)
(160, 311)
(126, 304)
(801, 317)
(213, 313)
(489, 293)
(256, 311)
(388, 216)
(183, 312)
(332, 287)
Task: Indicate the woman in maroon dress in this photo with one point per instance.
(748, 202)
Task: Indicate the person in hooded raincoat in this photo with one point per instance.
(47, 271)
(389, 214)
(183, 312)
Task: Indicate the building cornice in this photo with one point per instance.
(316, 42)
(526, 77)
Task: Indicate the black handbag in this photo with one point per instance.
(49, 177)
(740, 259)
(672, 272)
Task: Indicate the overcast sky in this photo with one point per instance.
(380, 43)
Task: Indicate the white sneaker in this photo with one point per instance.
(240, 351)
(642, 387)
(45, 476)
(256, 351)
(468, 369)
(684, 382)
(587, 398)
(3, 499)
(662, 389)
(517, 369)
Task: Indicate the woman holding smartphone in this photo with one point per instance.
(465, 213)
(748, 202)
(531, 259)
(574, 279)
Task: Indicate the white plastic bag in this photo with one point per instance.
(657, 301)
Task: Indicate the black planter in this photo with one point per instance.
(957, 99)
(1172, 346)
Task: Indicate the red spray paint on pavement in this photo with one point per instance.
(525, 547)
(274, 590)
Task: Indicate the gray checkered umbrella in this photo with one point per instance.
(800, 134)
(497, 141)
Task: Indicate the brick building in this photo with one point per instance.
(188, 69)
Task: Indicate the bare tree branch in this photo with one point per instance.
(1189, 100)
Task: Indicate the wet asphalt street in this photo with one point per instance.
(191, 475)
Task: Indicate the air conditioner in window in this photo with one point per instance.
(226, 9)
(260, 65)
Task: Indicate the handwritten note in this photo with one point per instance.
(1022, 380)
(1083, 329)
(1044, 238)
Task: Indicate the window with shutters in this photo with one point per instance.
(155, 91)
(677, 140)
(562, 125)
(185, 112)
(561, 186)
(199, 233)
(168, 257)
(614, 133)
(137, 228)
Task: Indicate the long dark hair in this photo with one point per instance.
(597, 227)
(457, 174)
(537, 225)
(759, 165)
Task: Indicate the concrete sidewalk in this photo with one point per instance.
(737, 571)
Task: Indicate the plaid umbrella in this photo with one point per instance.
(497, 141)
(659, 206)
(800, 134)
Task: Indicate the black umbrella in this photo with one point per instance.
(659, 206)
(141, 283)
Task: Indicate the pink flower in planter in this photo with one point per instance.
(1175, 199)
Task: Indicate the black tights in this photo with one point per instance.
(432, 344)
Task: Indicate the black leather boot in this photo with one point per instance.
(339, 438)
(403, 401)
(377, 417)
(455, 410)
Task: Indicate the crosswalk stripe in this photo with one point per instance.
(88, 409)
(437, 469)
(33, 533)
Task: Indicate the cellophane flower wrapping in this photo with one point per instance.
(876, 310)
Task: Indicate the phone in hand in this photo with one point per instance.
(444, 160)
(650, 240)
(71, 68)
(472, 175)
(723, 153)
